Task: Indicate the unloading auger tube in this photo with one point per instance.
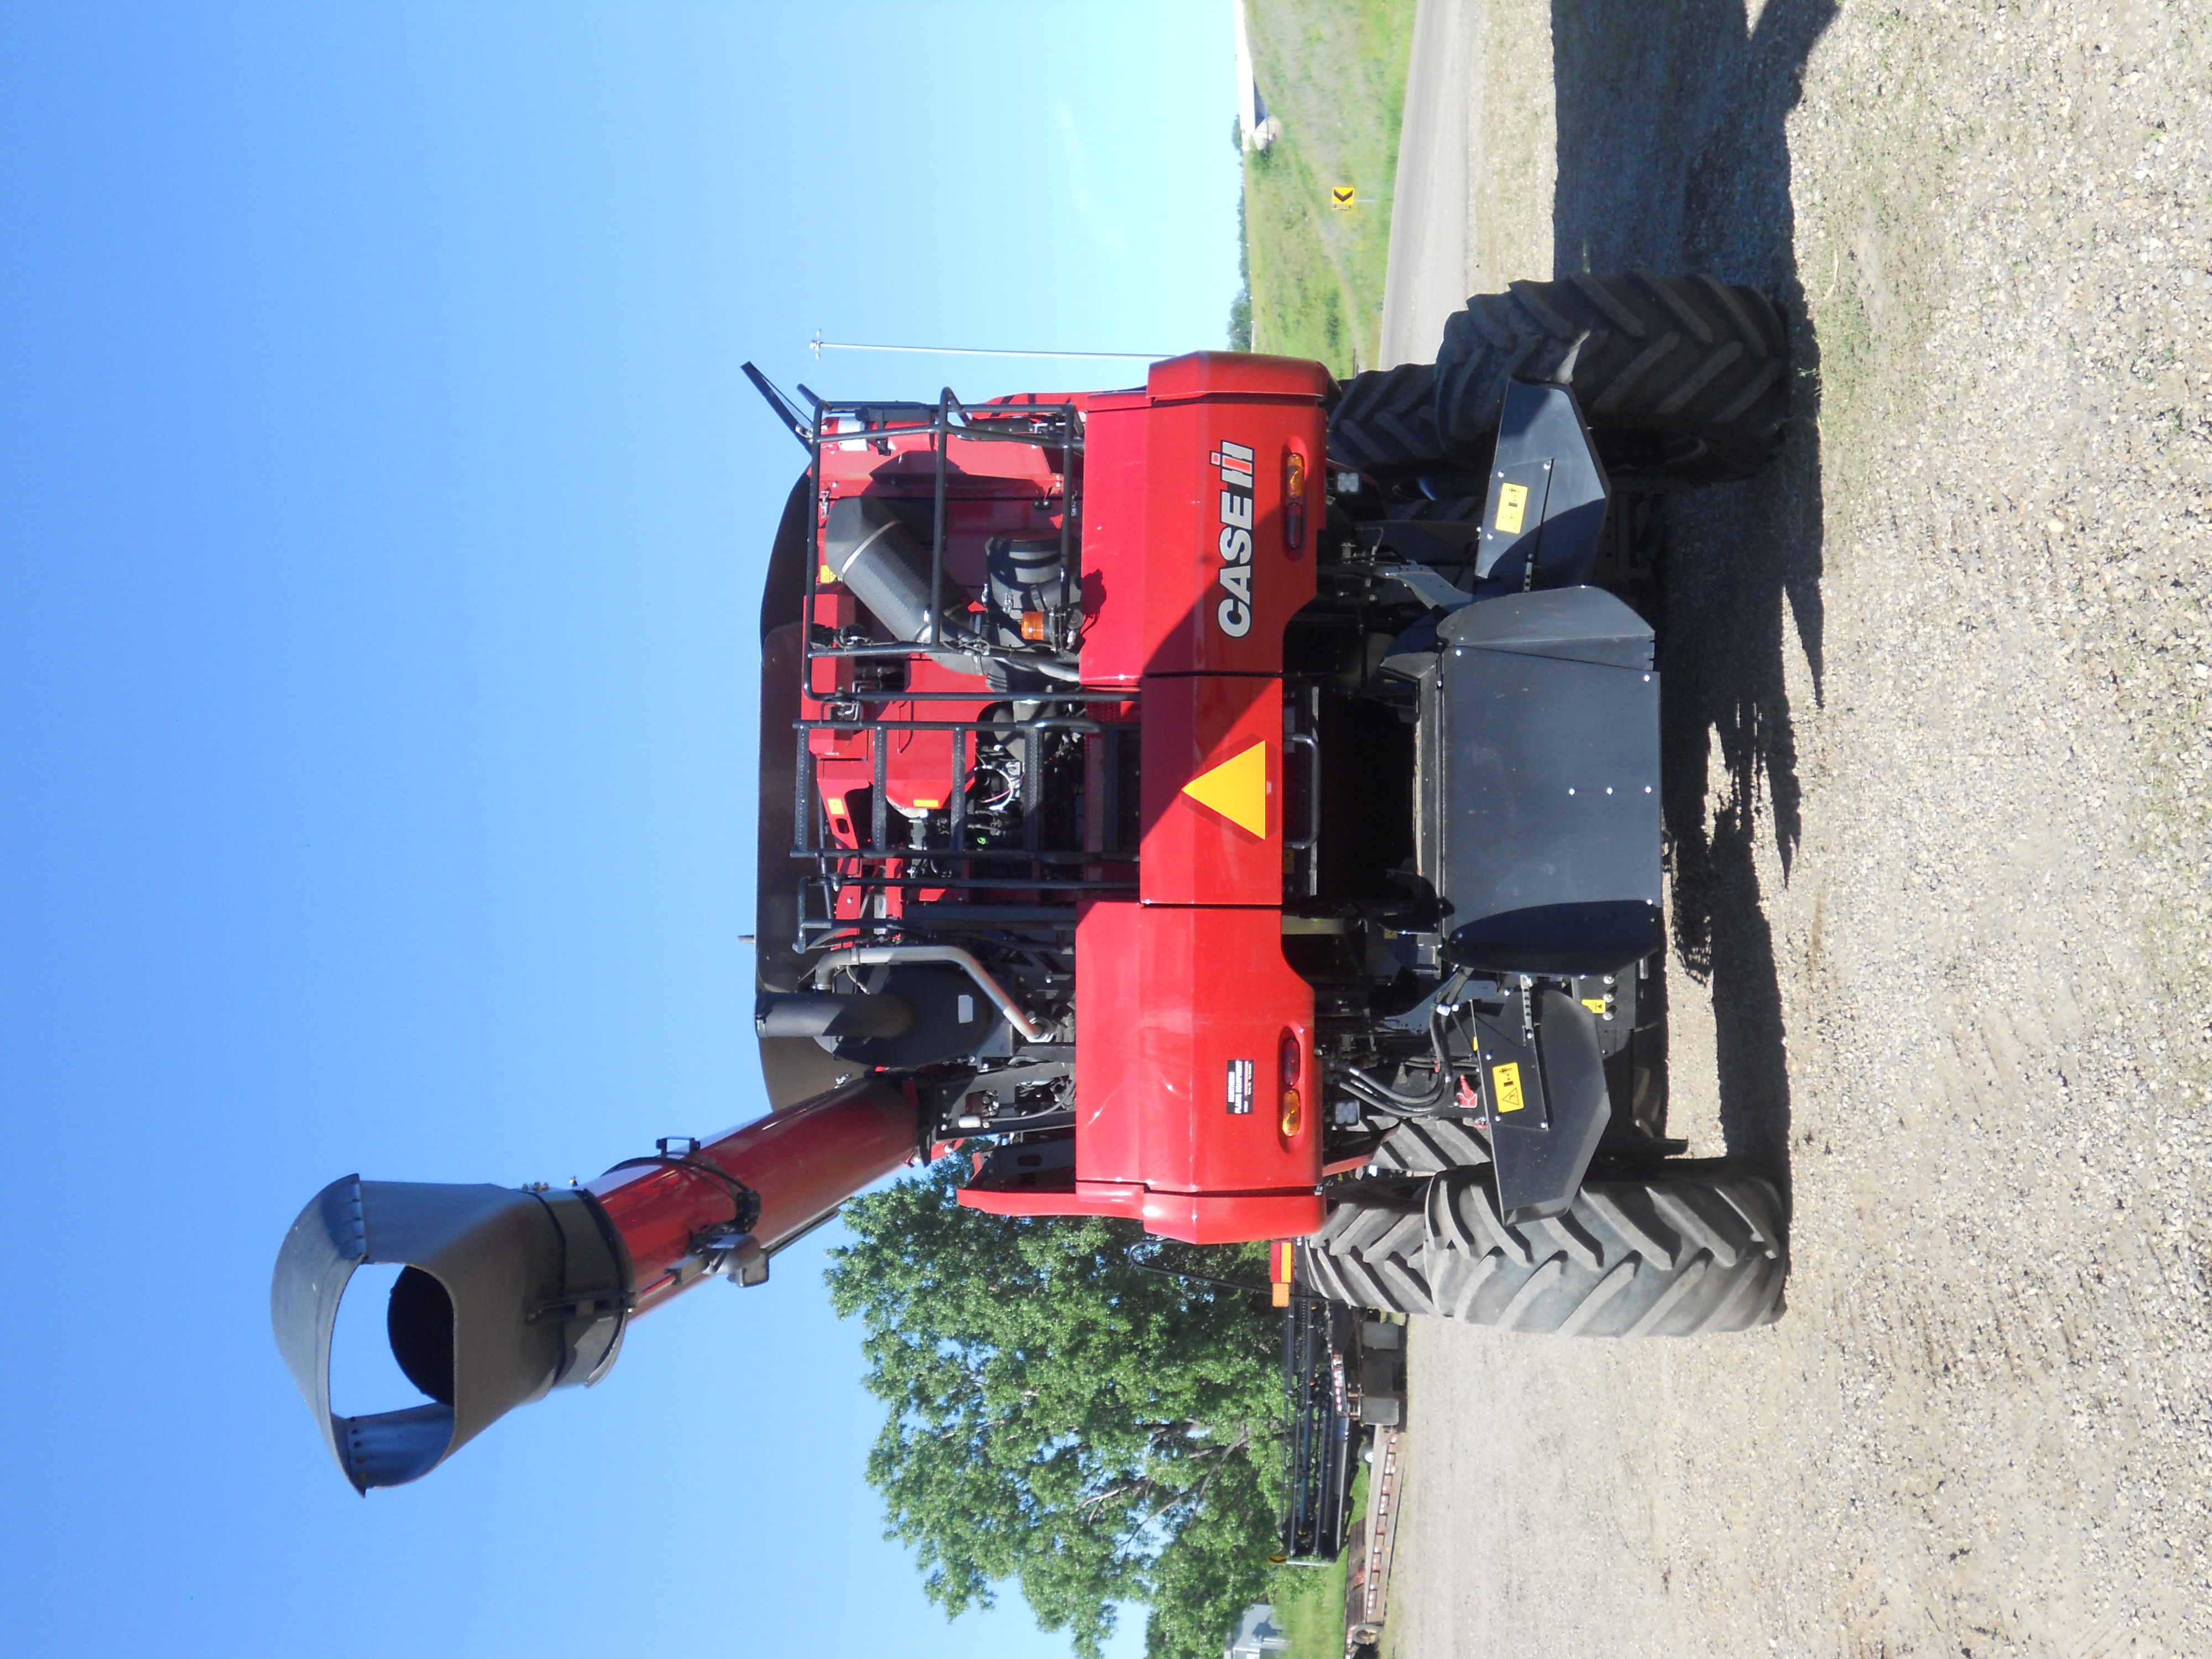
(511, 1292)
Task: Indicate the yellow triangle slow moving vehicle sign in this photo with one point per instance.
(1237, 789)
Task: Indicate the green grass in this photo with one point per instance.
(1309, 1606)
(1308, 1602)
(1332, 73)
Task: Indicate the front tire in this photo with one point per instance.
(1689, 1248)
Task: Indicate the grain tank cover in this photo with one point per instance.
(508, 1295)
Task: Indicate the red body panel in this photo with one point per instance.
(1178, 993)
(1248, 377)
(1164, 578)
(1114, 459)
(1193, 853)
(1193, 1217)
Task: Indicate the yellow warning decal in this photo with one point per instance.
(1596, 1005)
(1512, 504)
(1237, 789)
(1341, 196)
(1505, 1083)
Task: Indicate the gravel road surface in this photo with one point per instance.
(1428, 278)
(1936, 727)
(1460, 223)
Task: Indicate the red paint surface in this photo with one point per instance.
(1177, 993)
(1193, 1217)
(1114, 459)
(1153, 516)
(1191, 854)
(1251, 376)
(1231, 1218)
(802, 1163)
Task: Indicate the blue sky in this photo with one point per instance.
(382, 515)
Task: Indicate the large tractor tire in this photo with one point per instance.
(1686, 1250)
(1384, 422)
(1684, 381)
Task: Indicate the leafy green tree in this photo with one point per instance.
(1063, 1418)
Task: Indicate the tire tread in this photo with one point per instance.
(1676, 1252)
(1687, 354)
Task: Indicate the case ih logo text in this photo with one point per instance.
(1235, 612)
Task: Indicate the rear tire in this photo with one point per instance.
(1684, 381)
(1689, 1248)
(1385, 423)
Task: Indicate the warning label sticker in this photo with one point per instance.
(1512, 506)
(1505, 1084)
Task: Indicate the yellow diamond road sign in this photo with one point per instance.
(1341, 197)
(1237, 789)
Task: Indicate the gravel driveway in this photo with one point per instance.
(1937, 721)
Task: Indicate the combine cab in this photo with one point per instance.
(1232, 804)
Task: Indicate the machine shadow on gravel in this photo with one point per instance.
(1673, 155)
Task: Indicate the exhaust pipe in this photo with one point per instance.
(509, 1293)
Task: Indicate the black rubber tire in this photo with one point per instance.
(1686, 1249)
(1683, 379)
(1423, 1146)
(1384, 423)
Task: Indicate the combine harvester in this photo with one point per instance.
(1231, 804)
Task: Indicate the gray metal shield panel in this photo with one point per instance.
(1545, 448)
(1548, 831)
(1576, 625)
(1542, 1152)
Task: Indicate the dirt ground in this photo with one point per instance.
(1936, 723)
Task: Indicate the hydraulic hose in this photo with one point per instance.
(1380, 1094)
